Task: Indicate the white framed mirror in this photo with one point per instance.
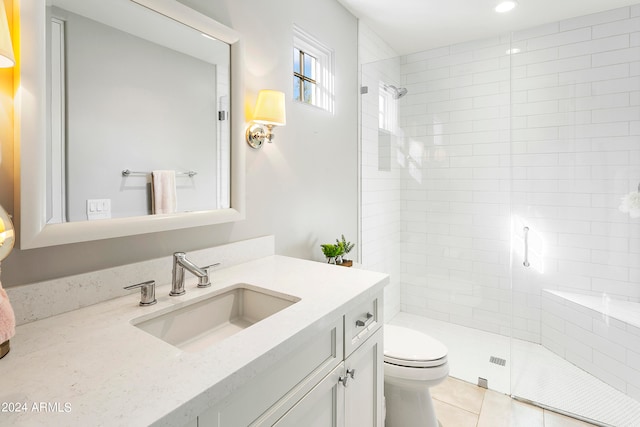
(52, 203)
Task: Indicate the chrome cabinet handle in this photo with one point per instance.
(147, 292)
(345, 380)
(526, 247)
(362, 323)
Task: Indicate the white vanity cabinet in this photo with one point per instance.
(271, 393)
(283, 370)
(363, 365)
(363, 395)
(332, 380)
(350, 396)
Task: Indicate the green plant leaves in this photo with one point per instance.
(341, 247)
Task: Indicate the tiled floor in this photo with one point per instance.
(531, 372)
(460, 404)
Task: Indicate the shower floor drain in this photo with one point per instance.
(497, 360)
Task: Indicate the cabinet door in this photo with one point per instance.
(364, 387)
(274, 391)
(323, 406)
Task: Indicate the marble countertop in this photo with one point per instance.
(92, 367)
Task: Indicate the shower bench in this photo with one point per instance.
(598, 334)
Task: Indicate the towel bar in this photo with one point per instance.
(128, 172)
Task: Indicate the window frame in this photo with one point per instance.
(324, 82)
(303, 77)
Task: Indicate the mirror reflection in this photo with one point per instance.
(139, 114)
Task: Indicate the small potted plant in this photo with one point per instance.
(346, 246)
(335, 253)
(332, 252)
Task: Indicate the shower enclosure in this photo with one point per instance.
(501, 192)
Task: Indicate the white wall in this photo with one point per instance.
(302, 188)
(549, 139)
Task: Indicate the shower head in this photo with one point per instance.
(397, 92)
(400, 92)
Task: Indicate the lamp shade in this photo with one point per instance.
(270, 108)
(6, 48)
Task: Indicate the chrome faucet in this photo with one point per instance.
(180, 262)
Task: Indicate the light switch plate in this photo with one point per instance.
(98, 209)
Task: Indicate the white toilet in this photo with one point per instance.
(413, 362)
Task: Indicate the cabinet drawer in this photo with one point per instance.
(361, 322)
(274, 391)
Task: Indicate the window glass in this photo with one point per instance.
(296, 60)
(309, 66)
(387, 108)
(304, 77)
(297, 88)
(382, 111)
(309, 92)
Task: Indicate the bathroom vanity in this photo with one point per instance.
(333, 379)
(315, 361)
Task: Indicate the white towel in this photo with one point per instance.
(163, 192)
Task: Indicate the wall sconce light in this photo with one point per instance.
(269, 112)
(7, 59)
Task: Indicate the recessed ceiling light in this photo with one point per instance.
(506, 6)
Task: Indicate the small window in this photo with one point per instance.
(312, 71)
(387, 108)
(304, 76)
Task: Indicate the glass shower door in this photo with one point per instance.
(575, 249)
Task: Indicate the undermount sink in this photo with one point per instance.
(204, 322)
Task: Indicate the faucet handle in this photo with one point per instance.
(147, 292)
(205, 282)
(209, 266)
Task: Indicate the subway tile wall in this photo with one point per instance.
(538, 129)
(456, 186)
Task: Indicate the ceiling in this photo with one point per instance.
(415, 25)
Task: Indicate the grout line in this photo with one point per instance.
(484, 396)
(459, 408)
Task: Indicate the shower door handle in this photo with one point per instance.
(526, 247)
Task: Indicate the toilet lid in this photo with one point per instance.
(408, 347)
